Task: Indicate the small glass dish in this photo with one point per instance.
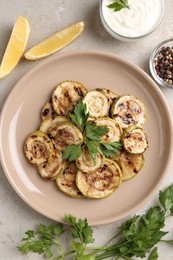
(116, 33)
(161, 63)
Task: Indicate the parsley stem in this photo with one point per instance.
(109, 251)
(127, 258)
(60, 249)
(92, 248)
(126, 5)
(65, 254)
(107, 255)
(167, 241)
(112, 239)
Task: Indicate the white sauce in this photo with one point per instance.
(143, 17)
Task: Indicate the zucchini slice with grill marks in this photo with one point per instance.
(38, 148)
(128, 110)
(97, 104)
(115, 131)
(48, 124)
(53, 167)
(65, 134)
(103, 182)
(66, 180)
(134, 140)
(66, 96)
(85, 162)
(110, 94)
(130, 164)
(47, 111)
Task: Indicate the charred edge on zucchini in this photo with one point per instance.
(53, 167)
(128, 110)
(97, 104)
(66, 95)
(85, 162)
(130, 164)
(101, 183)
(38, 148)
(48, 111)
(134, 140)
(65, 134)
(66, 180)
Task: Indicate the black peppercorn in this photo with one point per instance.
(163, 64)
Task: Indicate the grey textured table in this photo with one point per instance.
(47, 17)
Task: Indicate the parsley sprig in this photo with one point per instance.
(117, 5)
(42, 240)
(81, 233)
(136, 237)
(92, 137)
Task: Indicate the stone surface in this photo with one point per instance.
(47, 17)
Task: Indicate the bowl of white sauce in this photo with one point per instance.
(138, 21)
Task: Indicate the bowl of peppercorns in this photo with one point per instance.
(161, 64)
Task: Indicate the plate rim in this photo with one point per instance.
(58, 56)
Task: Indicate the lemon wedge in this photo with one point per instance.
(16, 46)
(55, 42)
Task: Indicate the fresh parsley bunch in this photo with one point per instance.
(136, 237)
(92, 137)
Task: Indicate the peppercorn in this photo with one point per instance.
(163, 64)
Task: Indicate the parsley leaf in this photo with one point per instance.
(110, 149)
(128, 228)
(94, 132)
(117, 5)
(154, 254)
(166, 199)
(72, 152)
(80, 115)
(92, 148)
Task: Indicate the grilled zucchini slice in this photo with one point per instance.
(47, 111)
(66, 180)
(128, 110)
(66, 96)
(48, 124)
(97, 104)
(85, 162)
(103, 182)
(65, 134)
(130, 164)
(134, 140)
(53, 167)
(115, 131)
(38, 148)
(110, 94)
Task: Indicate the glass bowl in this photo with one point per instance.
(161, 63)
(107, 15)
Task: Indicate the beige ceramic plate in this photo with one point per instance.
(21, 115)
